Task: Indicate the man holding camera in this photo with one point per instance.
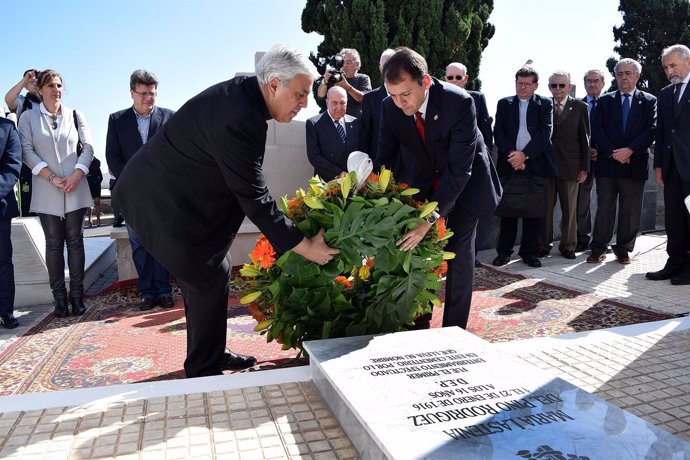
(345, 74)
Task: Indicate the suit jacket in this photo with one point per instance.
(607, 131)
(325, 149)
(454, 152)
(371, 116)
(123, 138)
(570, 139)
(539, 125)
(673, 134)
(39, 148)
(483, 119)
(10, 164)
(188, 189)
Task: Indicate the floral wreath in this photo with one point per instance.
(370, 286)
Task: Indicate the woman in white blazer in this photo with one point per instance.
(61, 193)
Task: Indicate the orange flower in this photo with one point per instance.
(403, 186)
(441, 269)
(369, 263)
(263, 253)
(256, 313)
(373, 178)
(441, 227)
(344, 281)
(295, 204)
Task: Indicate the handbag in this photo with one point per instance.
(80, 144)
(524, 195)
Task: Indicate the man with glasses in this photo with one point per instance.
(594, 84)
(456, 73)
(355, 84)
(623, 127)
(672, 163)
(128, 130)
(570, 140)
(523, 136)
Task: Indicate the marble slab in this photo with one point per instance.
(446, 394)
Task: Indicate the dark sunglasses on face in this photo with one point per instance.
(557, 85)
(454, 77)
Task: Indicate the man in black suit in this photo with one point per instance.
(332, 136)
(10, 165)
(456, 73)
(432, 126)
(128, 130)
(523, 137)
(187, 191)
(672, 163)
(371, 111)
(623, 127)
(594, 84)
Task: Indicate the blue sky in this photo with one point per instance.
(190, 45)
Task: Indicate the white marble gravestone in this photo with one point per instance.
(446, 394)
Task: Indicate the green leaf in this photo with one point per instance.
(427, 209)
(345, 185)
(249, 298)
(284, 204)
(409, 192)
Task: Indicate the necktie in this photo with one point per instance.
(419, 122)
(626, 110)
(676, 97)
(341, 131)
(559, 110)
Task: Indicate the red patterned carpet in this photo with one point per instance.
(115, 342)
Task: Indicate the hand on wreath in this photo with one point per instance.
(316, 249)
(411, 239)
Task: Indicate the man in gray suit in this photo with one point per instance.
(570, 140)
(332, 136)
(672, 163)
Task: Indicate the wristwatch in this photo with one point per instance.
(431, 220)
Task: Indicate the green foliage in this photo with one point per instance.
(443, 31)
(648, 27)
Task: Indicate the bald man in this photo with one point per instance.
(456, 73)
(332, 136)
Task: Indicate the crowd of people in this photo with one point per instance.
(197, 173)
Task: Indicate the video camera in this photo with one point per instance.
(334, 64)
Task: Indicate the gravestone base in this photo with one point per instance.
(446, 394)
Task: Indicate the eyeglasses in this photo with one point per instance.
(557, 85)
(523, 84)
(454, 77)
(593, 81)
(627, 73)
(151, 94)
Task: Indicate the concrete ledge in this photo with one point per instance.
(123, 251)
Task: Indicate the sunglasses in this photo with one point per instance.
(454, 77)
(557, 85)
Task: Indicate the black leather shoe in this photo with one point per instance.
(477, 263)
(233, 361)
(581, 247)
(681, 279)
(8, 321)
(165, 301)
(663, 274)
(596, 258)
(78, 307)
(61, 308)
(541, 252)
(568, 254)
(147, 304)
(501, 260)
(532, 261)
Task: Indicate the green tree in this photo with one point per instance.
(442, 31)
(648, 27)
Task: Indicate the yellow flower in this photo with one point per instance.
(364, 272)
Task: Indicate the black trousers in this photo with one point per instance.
(677, 221)
(627, 194)
(6, 268)
(508, 233)
(60, 232)
(584, 213)
(206, 311)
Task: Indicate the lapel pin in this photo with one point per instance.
(435, 117)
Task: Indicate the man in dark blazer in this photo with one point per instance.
(371, 112)
(623, 128)
(672, 163)
(187, 191)
(128, 130)
(456, 73)
(594, 83)
(10, 165)
(326, 149)
(432, 126)
(523, 137)
(570, 141)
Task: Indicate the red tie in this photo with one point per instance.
(419, 122)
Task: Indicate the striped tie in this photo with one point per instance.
(341, 131)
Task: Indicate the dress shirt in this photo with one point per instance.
(143, 124)
(523, 136)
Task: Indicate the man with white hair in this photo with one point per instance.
(188, 189)
(456, 73)
(332, 136)
(354, 83)
(672, 163)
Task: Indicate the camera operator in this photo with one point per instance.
(354, 83)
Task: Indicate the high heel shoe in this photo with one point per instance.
(78, 307)
(61, 309)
